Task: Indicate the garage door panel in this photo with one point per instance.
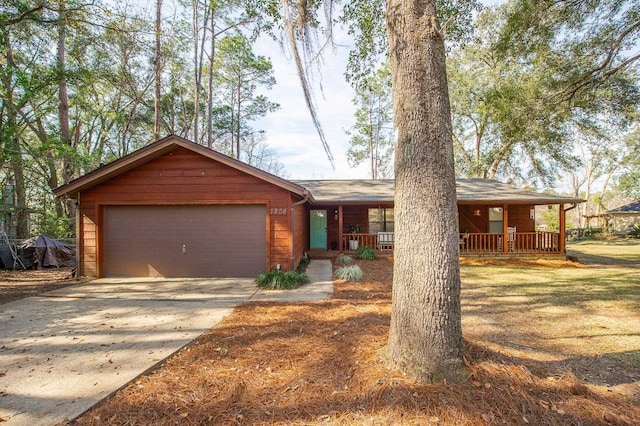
(185, 241)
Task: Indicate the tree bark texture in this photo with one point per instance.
(157, 70)
(197, 66)
(425, 339)
(13, 149)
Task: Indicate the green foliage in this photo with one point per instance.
(343, 259)
(239, 72)
(635, 231)
(354, 228)
(550, 217)
(366, 24)
(348, 273)
(53, 226)
(532, 85)
(372, 137)
(366, 253)
(278, 280)
(109, 74)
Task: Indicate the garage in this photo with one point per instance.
(184, 240)
(177, 209)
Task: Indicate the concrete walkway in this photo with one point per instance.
(63, 351)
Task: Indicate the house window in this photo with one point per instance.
(496, 220)
(380, 220)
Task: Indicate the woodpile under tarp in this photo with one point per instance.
(44, 252)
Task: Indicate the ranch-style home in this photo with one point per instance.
(624, 218)
(178, 209)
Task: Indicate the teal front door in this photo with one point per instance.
(318, 229)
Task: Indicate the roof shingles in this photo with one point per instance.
(631, 208)
(468, 191)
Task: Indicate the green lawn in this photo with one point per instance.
(614, 252)
(578, 317)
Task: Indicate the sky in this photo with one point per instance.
(290, 131)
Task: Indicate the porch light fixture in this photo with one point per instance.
(532, 213)
(335, 214)
(476, 212)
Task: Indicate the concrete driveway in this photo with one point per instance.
(62, 352)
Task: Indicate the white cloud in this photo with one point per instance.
(290, 131)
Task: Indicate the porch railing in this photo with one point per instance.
(382, 241)
(519, 243)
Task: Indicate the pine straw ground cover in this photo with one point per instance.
(320, 363)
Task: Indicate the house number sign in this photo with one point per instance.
(278, 211)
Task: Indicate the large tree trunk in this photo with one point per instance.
(63, 104)
(212, 56)
(157, 69)
(237, 129)
(68, 168)
(13, 149)
(196, 62)
(425, 339)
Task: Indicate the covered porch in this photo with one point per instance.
(494, 219)
(473, 244)
(485, 230)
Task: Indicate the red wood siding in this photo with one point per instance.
(356, 215)
(183, 177)
(88, 241)
(469, 222)
(518, 216)
(301, 231)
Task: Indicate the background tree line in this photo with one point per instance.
(87, 82)
(540, 93)
(543, 95)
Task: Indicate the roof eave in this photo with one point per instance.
(529, 201)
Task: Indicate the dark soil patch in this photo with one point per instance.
(18, 284)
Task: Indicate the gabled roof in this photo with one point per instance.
(159, 148)
(469, 191)
(627, 209)
(353, 191)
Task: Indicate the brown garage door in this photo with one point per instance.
(184, 241)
